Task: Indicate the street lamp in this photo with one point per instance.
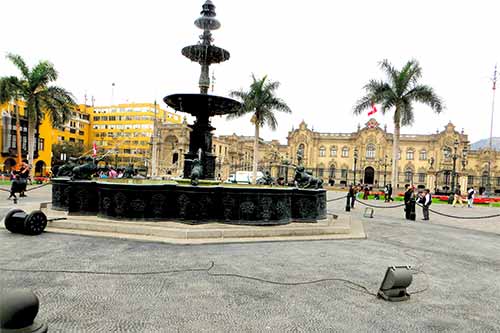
(453, 173)
(384, 164)
(355, 161)
(464, 158)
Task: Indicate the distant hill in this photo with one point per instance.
(484, 143)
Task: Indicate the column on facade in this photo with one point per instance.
(431, 179)
(463, 182)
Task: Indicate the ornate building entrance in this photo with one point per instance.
(369, 175)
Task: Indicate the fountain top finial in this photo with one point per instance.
(207, 20)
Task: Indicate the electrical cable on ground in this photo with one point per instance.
(375, 206)
(350, 284)
(335, 199)
(462, 217)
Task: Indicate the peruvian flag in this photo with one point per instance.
(94, 150)
(373, 110)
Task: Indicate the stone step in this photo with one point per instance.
(176, 230)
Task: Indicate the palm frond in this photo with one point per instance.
(19, 62)
(406, 112)
(260, 100)
(42, 74)
(426, 95)
(9, 88)
(389, 69)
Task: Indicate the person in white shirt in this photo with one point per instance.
(470, 197)
(426, 201)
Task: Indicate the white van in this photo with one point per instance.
(243, 177)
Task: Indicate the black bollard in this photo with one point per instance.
(348, 204)
(18, 310)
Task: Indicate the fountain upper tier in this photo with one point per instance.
(205, 54)
(201, 105)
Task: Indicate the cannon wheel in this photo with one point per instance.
(11, 224)
(35, 223)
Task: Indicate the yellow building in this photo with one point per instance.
(124, 131)
(77, 129)
(8, 142)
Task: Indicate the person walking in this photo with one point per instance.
(426, 201)
(457, 197)
(366, 192)
(14, 186)
(386, 193)
(470, 197)
(390, 193)
(407, 200)
(23, 175)
(352, 195)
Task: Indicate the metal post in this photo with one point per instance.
(453, 174)
(355, 161)
(488, 184)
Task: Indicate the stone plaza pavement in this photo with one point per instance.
(457, 290)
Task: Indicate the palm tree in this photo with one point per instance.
(42, 99)
(398, 92)
(260, 100)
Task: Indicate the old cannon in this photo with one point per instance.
(18, 221)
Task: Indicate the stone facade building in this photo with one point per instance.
(363, 156)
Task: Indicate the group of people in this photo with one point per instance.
(19, 180)
(411, 197)
(457, 197)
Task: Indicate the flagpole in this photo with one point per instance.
(491, 127)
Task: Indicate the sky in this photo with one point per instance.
(322, 52)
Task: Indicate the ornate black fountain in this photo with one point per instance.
(202, 105)
(134, 199)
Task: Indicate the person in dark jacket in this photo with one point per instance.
(407, 200)
(352, 195)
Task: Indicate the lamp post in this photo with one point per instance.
(453, 173)
(384, 164)
(355, 161)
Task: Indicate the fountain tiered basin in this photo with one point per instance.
(138, 200)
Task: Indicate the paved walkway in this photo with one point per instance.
(459, 288)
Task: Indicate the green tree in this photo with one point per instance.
(398, 93)
(42, 99)
(261, 101)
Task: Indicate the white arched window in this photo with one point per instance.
(370, 151)
(423, 155)
(409, 154)
(322, 151)
(345, 152)
(333, 151)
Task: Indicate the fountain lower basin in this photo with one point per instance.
(167, 200)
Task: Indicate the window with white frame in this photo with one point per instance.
(370, 151)
(345, 152)
(322, 152)
(423, 155)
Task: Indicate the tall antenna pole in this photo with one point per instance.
(112, 93)
(494, 79)
(493, 105)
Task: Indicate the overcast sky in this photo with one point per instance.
(321, 51)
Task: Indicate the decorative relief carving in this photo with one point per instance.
(157, 202)
(120, 200)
